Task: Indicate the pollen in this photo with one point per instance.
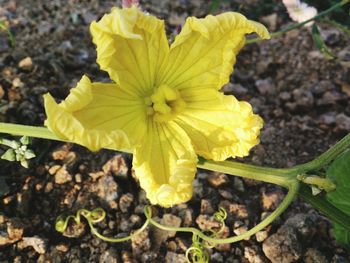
(164, 104)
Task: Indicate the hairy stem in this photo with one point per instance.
(281, 177)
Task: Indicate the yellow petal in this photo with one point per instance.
(219, 126)
(165, 164)
(97, 115)
(131, 46)
(203, 54)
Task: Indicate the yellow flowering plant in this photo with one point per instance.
(165, 107)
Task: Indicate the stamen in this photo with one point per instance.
(164, 104)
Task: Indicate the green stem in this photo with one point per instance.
(298, 25)
(326, 157)
(30, 131)
(325, 207)
(281, 177)
(121, 239)
(293, 190)
(270, 175)
(10, 36)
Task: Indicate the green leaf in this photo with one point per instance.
(25, 140)
(24, 163)
(29, 154)
(9, 155)
(320, 44)
(339, 173)
(342, 236)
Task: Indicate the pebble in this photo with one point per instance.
(78, 178)
(172, 257)
(141, 243)
(116, 166)
(217, 179)
(287, 243)
(261, 235)
(283, 246)
(343, 122)
(53, 169)
(149, 256)
(285, 96)
(226, 194)
(126, 257)
(96, 175)
(224, 247)
(74, 229)
(240, 228)
(206, 222)
(107, 189)
(303, 98)
(217, 257)
(198, 190)
(15, 229)
(322, 86)
(237, 210)
(61, 152)
(48, 187)
(62, 176)
(328, 118)
(206, 207)
(329, 98)
(313, 255)
(238, 184)
(5, 240)
(38, 243)
(270, 200)
(171, 220)
(26, 63)
(3, 218)
(265, 86)
(186, 217)
(331, 36)
(2, 92)
(344, 55)
(62, 247)
(109, 256)
(125, 202)
(160, 236)
(252, 255)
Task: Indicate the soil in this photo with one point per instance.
(302, 96)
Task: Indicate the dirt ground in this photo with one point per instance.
(302, 96)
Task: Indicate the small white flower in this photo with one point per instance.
(300, 12)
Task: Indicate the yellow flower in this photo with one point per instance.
(165, 106)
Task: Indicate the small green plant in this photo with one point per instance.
(9, 34)
(18, 151)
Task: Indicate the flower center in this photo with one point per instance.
(164, 104)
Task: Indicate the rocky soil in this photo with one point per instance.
(302, 96)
